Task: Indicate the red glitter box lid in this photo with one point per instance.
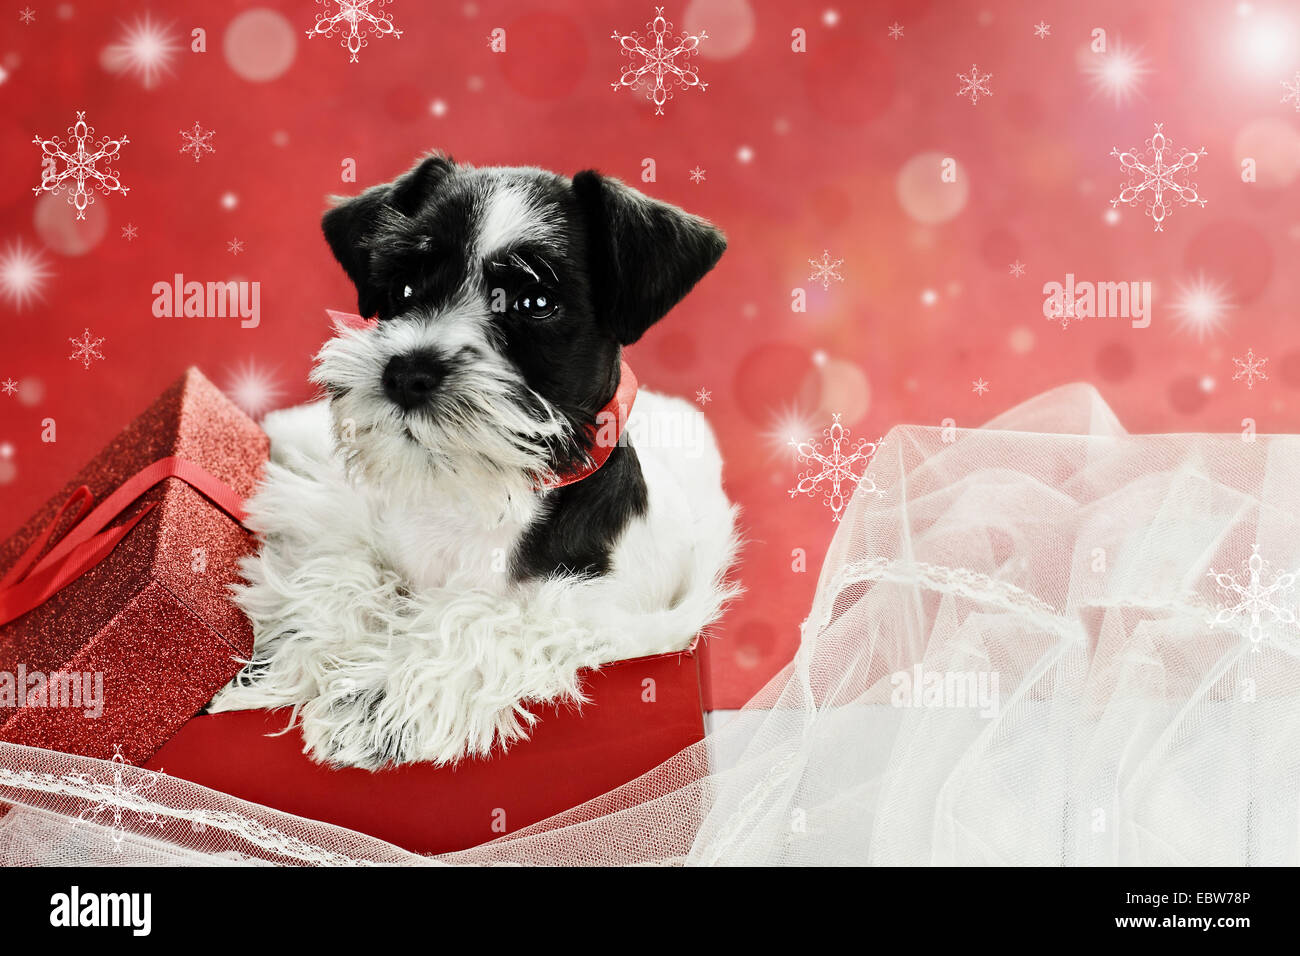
(154, 617)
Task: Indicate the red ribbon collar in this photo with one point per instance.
(611, 420)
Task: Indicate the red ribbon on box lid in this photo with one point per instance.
(34, 579)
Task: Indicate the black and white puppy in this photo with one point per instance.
(463, 525)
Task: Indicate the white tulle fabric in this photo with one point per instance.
(1147, 677)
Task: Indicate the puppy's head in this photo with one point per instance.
(503, 297)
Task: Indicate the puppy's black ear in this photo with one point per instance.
(348, 227)
(351, 225)
(645, 254)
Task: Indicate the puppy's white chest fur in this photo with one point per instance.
(438, 543)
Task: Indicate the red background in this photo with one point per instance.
(802, 152)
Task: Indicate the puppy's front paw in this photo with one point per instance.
(355, 725)
(357, 728)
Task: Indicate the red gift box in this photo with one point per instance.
(133, 592)
(639, 713)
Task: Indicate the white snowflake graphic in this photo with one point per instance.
(86, 349)
(130, 231)
(8, 386)
(27, 15)
(697, 175)
(895, 31)
(979, 386)
(235, 246)
(703, 396)
(1043, 30)
(659, 60)
(1250, 368)
(833, 473)
(1257, 600)
(826, 270)
(79, 166)
(197, 141)
(974, 85)
(115, 798)
(1161, 175)
(1063, 310)
(359, 18)
(1293, 92)
(22, 274)
(1017, 269)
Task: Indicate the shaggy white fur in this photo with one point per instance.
(393, 630)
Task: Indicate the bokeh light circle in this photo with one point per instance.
(260, 45)
(31, 391)
(1274, 146)
(728, 23)
(57, 224)
(923, 194)
(843, 390)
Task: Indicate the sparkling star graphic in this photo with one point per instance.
(146, 49)
(1201, 306)
(1117, 72)
(253, 388)
(22, 274)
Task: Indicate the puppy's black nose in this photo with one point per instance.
(410, 380)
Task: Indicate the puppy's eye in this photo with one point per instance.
(537, 302)
(406, 292)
